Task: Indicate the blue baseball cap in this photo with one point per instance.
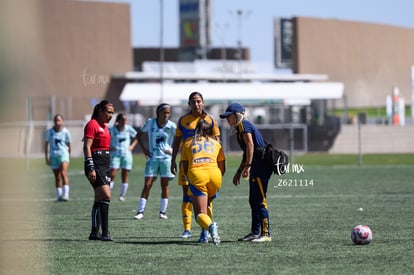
(231, 109)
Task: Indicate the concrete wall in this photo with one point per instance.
(374, 139)
(76, 47)
(369, 58)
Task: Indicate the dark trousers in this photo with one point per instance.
(258, 182)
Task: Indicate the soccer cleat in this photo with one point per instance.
(139, 216)
(213, 229)
(64, 198)
(262, 239)
(249, 237)
(122, 198)
(95, 237)
(163, 216)
(186, 234)
(106, 237)
(204, 236)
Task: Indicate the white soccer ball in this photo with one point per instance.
(361, 234)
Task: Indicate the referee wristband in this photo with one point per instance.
(89, 165)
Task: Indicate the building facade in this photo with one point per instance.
(370, 59)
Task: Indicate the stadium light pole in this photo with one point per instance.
(241, 15)
(161, 51)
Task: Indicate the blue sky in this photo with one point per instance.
(257, 27)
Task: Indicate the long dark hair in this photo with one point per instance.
(194, 94)
(101, 106)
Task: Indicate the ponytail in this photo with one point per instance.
(101, 106)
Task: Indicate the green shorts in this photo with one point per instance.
(56, 161)
(122, 162)
(161, 167)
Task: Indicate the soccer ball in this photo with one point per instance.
(361, 234)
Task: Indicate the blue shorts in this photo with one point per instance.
(123, 162)
(155, 167)
(56, 161)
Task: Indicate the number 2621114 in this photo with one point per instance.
(294, 183)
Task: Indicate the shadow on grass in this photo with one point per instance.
(147, 241)
(144, 240)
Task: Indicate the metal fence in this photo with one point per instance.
(26, 139)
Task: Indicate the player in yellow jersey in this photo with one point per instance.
(185, 130)
(204, 165)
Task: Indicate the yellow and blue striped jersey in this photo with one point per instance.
(188, 122)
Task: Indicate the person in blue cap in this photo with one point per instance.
(253, 168)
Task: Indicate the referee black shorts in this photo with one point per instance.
(101, 160)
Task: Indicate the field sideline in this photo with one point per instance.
(312, 212)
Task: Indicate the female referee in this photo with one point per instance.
(97, 140)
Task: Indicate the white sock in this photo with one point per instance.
(111, 184)
(59, 192)
(141, 205)
(66, 191)
(163, 205)
(124, 188)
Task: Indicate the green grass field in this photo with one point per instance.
(310, 225)
(372, 112)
